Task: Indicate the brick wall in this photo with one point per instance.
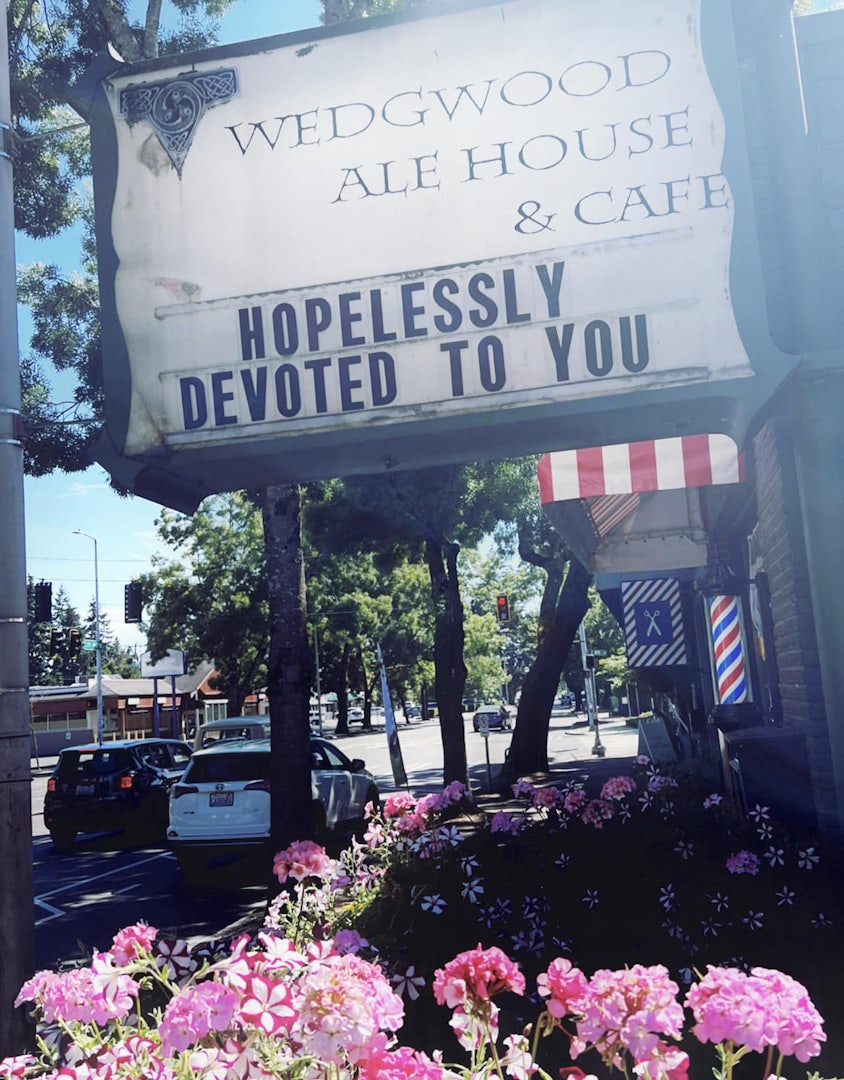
(784, 554)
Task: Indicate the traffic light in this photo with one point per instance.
(43, 601)
(55, 641)
(74, 642)
(502, 609)
(133, 601)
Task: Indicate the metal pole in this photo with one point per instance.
(79, 532)
(316, 670)
(17, 930)
(598, 747)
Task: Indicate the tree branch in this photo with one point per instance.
(119, 31)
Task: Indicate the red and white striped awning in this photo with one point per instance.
(688, 461)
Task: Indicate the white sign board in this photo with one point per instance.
(174, 662)
(515, 205)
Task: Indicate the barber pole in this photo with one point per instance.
(728, 650)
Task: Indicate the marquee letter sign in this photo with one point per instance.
(409, 240)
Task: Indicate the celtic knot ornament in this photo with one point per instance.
(174, 108)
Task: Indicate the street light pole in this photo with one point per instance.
(79, 532)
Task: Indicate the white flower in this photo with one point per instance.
(407, 983)
(759, 813)
(807, 858)
(472, 890)
(785, 896)
(433, 903)
(591, 897)
(775, 856)
(754, 920)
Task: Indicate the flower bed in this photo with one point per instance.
(643, 931)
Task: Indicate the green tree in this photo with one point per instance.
(51, 44)
(212, 601)
(445, 508)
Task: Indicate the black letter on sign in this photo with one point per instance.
(250, 333)
(627, 358)
(598, 347)
(194, 406)
(287, 393)
(491, 363)
(382, 375)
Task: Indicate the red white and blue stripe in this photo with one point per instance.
(728, 651)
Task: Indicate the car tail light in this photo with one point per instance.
(257, 785)
(51, 785)
(127, 783)
(178, 790)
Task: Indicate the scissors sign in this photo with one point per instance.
(653, 628)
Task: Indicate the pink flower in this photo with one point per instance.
(596, 812)
(664, 1062)
(502, 822)
(173, 957)
(397, 805)
(765, 1008)
(523, 789)
(743, 862)
(191, 1014)
(575, 800)
(628, 1010)
(341, 1004)
(476, 976)
(618, 787)
(266, 1004)
(131, 941)
(547, 798)
(301, 860)
(564, 985)
(402, 1063)
(472, 1027)
(14, 1068)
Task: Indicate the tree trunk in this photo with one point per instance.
(289, 668)
(449, 668)
(566, 607)
(342, 691)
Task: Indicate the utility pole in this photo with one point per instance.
(17, 930)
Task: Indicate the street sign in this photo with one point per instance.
(89, 646)
(483, 726)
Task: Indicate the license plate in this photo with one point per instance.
(84, 789)
(221, 798)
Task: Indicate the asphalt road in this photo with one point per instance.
(82, 899)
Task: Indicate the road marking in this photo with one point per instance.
(99, 877)
(55, 912)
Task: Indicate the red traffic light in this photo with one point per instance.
(502, 609)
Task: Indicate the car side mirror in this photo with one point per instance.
(358, 764)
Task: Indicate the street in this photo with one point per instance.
(82, 899)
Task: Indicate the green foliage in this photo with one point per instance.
(211, 601)
(51, 44)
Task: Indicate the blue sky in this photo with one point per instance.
(58, 504)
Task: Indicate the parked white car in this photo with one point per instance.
(222, 802)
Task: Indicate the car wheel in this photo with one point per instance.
(63, 838)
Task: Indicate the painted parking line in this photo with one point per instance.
(78, 883)
(54, 912)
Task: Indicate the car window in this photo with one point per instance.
(156, 754)
(218, 767)
(181, 755)
(93, 763)
(333, 758)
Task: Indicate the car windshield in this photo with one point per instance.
(92, 763)
(214, 768)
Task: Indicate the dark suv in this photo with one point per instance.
(119, 785)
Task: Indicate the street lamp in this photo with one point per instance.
(79, 532)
